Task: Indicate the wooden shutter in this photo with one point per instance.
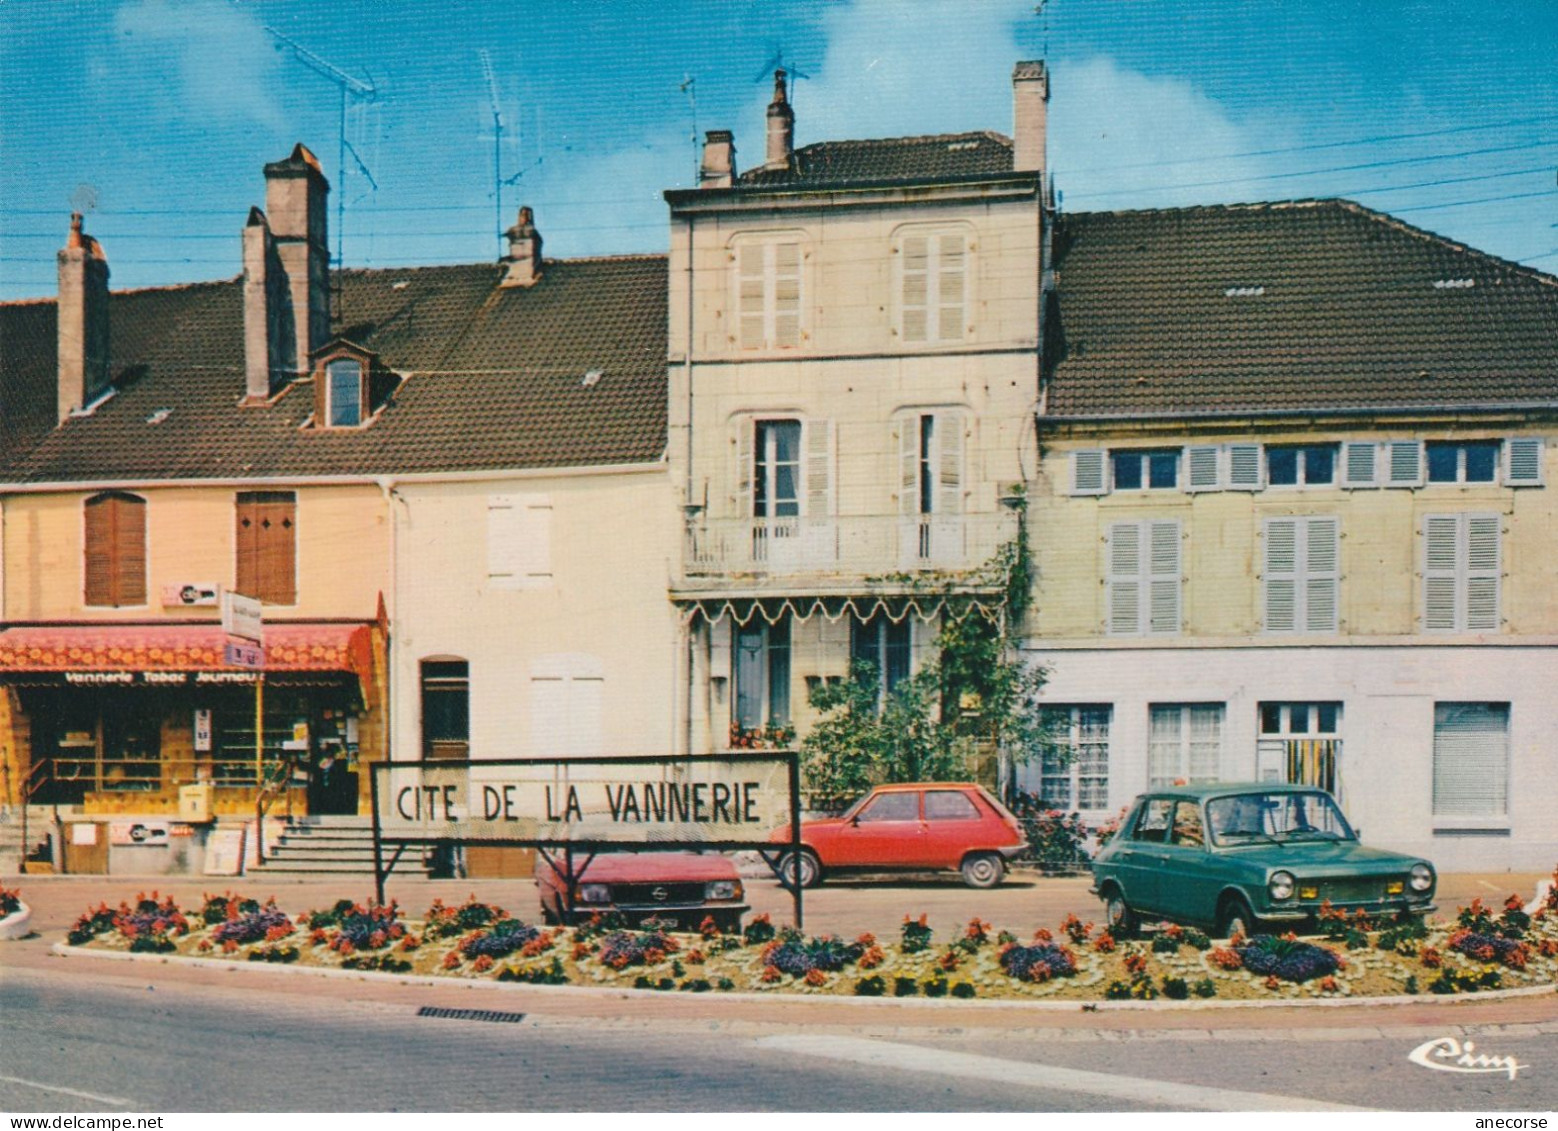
(915, 272)
(1281, 574)
(785, 295)
(749, 295)
(115, 558)
(1124, 589)
(1322, 575)
(1244, 471)
(1163, 565)
(949, 470)
(1440, 541)
(1404, 463)
(1523, 461)
(1360, 464)
(267, 546)
(1087, 472)
(743, 461)
(951, 278)
(819, 468)
(1481, 541)
(906, 438)
(1204, 463)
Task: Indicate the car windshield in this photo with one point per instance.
(1276, 816)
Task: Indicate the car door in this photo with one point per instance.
(1140, 858)
(1187, 882)
(954, 823)
(886, 833)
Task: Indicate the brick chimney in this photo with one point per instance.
(83, 321)
(524, 257)
(781, 127)
(719, 160)
(269, 330)
(296, 210)
(1030, 111)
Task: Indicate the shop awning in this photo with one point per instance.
(321, 647)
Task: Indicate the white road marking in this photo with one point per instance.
(916, 1058)
(111, 1101)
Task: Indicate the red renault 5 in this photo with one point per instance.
(911, 827)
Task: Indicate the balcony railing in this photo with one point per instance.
(858, 546)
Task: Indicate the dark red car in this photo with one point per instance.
(677, 887)
(912, 827)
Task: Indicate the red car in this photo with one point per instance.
(913, 827)
(678, 887)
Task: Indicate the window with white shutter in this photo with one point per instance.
(933, 287)
(1088, 472)
(519, 541)
(1404, 463)
(768, 294)
(1144, 583)
(1301, 574)
(1461, 572)
(1471, 760)
(1244, 467)
(1204, 468)
(1072, 774)
(1184, 743)
(1523, 461)
(1360, 463)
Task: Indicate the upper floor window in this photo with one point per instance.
(1461, 572)
(768, 293)
(1135, 469)
(783, 468)
(933, 281)
(776, 472)
(1302, 574)
(1464, 461)
(519, 541)
(1143, 590)
(115, 549)
(886, 646)
(266, 565)
(762, 671)
(343, 396)
(1306, 466)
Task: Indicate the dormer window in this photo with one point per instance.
(343, 393)
(350, 386)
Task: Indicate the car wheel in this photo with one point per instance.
(1236, 918)
(983, 870)
(801, 869)
(1118, 915)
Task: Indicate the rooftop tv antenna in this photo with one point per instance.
(777, 62)
(352, 88)
(688, 86)
(497, 145)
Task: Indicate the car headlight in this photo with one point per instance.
(1280, 885)
(722, 889)
(1422, 877)
(594, 893)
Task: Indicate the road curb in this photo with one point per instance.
(64, 950)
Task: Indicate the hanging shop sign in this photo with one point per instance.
(147, 833)
(202, 729)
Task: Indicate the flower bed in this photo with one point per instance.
(1480, 950)
(15, 916)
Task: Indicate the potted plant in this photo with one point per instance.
(15, 916)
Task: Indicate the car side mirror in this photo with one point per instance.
(855, 821)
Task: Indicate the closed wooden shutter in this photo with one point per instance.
(949, 487)
(915, 270)
(1087, 472)
(267, 546)
(1359, 464)
(1163, 563)
(950, 283)
(1124, 596)
(1523, 461)
(1204, 468)
(1461, 572)
(1439, 572)
(1322, 574)
(819, 469)
(1404, 467)
(1482, 572)
(786, 300)
(115, 532)
(749, 295)
(1281, 574)
(1244, 467)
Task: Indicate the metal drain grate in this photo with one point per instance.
(469, 1014)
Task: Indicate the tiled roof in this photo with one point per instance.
(1313, 305)
(935, 157)
(496, 379)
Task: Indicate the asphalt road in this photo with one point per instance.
(137, 1040)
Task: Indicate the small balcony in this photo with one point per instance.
(880, 548)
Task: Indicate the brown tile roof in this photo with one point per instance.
(497, 379)
(1311, 305)
(937, 157)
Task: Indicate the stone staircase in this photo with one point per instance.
(11, 836)
(326, 846)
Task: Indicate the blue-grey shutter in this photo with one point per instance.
(1087, 472)
(1523, 461)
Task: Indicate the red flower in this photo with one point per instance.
(1328, 985)
(695, 957)
(770, 974)
(872, 958)
(815, 977)
(948, 961)
(1272, 983)
(581, 951)
(1043, 934)
(1135, 963)
(1104, 943)
(708, 928)
(867, 939)
(482, 964)
(1431, 958)
(451, 960)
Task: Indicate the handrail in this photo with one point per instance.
(275, 783)
(39, 774)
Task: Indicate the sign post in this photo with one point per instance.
(243, 617)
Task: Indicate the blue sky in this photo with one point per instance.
(155, 116)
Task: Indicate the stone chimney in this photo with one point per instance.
(296, 210)
(524, 257)
(269, 330)
(719, 160)
(1030, 98)
(83, 321)
(781, 127)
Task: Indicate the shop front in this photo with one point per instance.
(117, 720)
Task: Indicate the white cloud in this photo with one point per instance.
(1120, 139)
(223, 59)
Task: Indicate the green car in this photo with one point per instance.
(1239, 857)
